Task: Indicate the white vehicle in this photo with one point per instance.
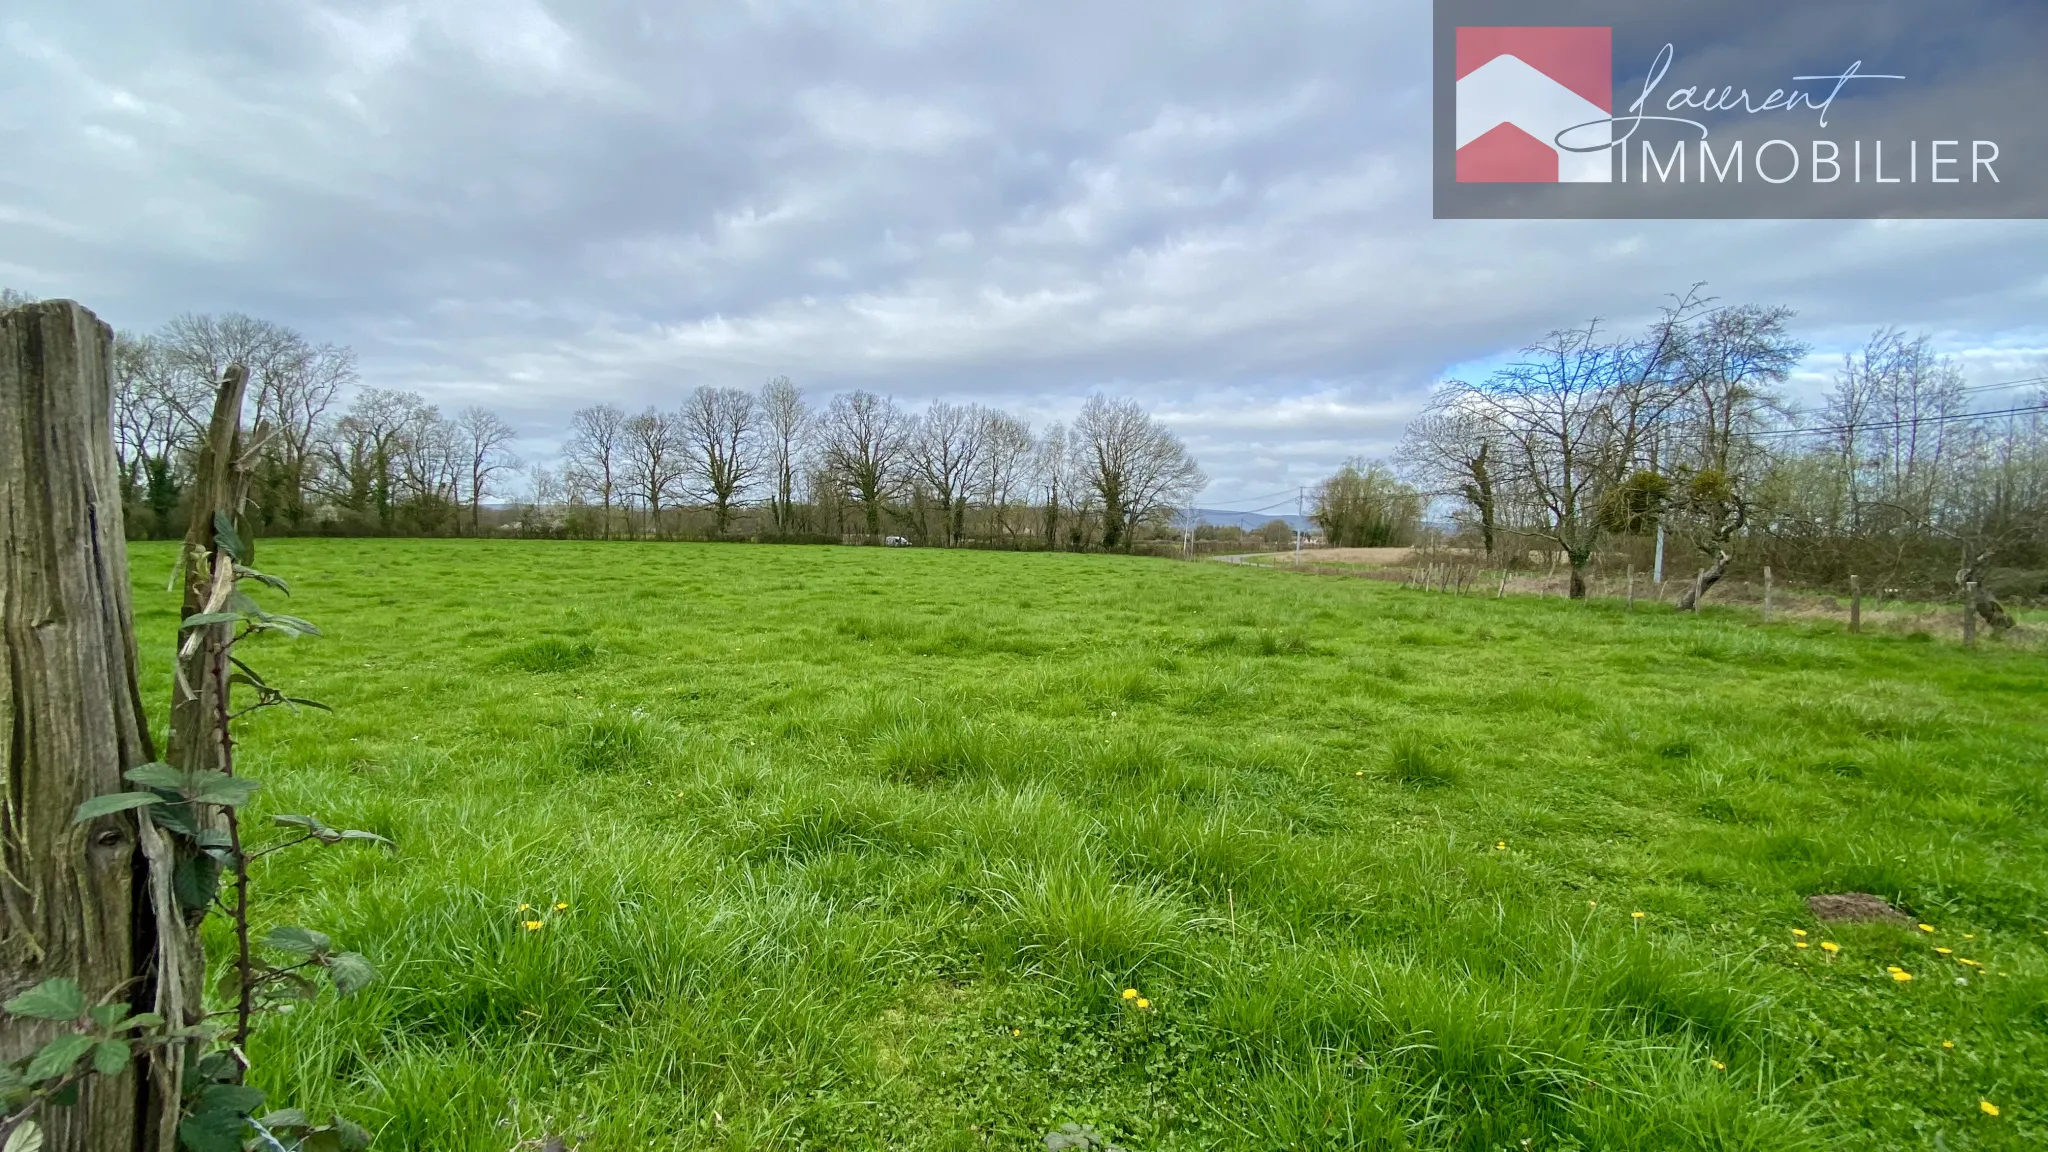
(896, 541)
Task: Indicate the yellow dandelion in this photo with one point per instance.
(1946, 951)
(561, 907)
(1927, 927)
(1799, 943)
(1501, 847)
(1358, 773)
(526, 907)
(1635, 915)
(1016, 1031)
(1143, 1004)
(1799, 932)
(1130, 993)
(535, 925)
(1970, 962)
(1720, 1067)
(1901, 975)
(1949, 1044)
(1969, 935)
(1830, 946)
(1987, 1107)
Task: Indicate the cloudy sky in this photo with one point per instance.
(1219, 209)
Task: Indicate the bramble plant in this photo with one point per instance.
(200, 813)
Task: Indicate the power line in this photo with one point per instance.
(1904, 422)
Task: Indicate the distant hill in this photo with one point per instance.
(1250, 521)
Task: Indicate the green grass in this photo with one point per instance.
(861, 846)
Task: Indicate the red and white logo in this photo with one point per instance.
(1518, 88)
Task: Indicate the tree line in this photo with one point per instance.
(337, 458)
(1593, 444)
(771, 463)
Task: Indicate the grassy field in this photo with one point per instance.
(860, 848)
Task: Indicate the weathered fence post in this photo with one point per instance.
(1855, 603)
(1970, 614)
(72, 897)
(1767, 593)
(1502, 594)
(1631, 587)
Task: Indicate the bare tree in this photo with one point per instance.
(864, 439)
(1053, 473)
(786, 425)
(1727, 367)
(595, 455)
(1448, 450)
(1006, 455)
(943, 451)
(718, 430)
(363, 448)
(655, 461)
(1136, 465)
(483, 435)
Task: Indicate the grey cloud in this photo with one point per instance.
(1220, 209)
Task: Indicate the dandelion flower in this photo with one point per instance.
(535, 925)
(1143, 1004)
(1130, 993)
(1016, 1031)
(1901, 975)
(1720, 1067)
(1927, 927)
(561, 907)
(1830, 946)
(1970, 962)
(1799, 943)
(1799, 932)
(1359, 773)
(1949, 1044)
(526, 907)
(1969, 935)
(1946, 951)
(1635, 915)
(1592, 903)
(1987, 1107)
(1502, 846)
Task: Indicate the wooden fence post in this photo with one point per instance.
(1631, 587)
(1502, 594)
(1970, 614)
(73, 897)
(1855, 603)
(1767, 593)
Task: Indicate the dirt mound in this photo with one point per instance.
(1840, 906)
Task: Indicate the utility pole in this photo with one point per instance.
(1300, 503)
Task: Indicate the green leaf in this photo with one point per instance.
(307, 703)
(27, 1138)
(108, 1015)
(354, 1137)
(53, 999)
(223, 789)
(224, 535)
(56, 1058)
(113, 802)
(359, 834)
(212, 1131)
(309, 823)
(254, 677)
(109, 1057)
(140, 1020)
(266, 578)
(158, 775)
(195, 881)
(286, 1118)
(298, 941)
(239, 603)
(202, 619)
(350, 971)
